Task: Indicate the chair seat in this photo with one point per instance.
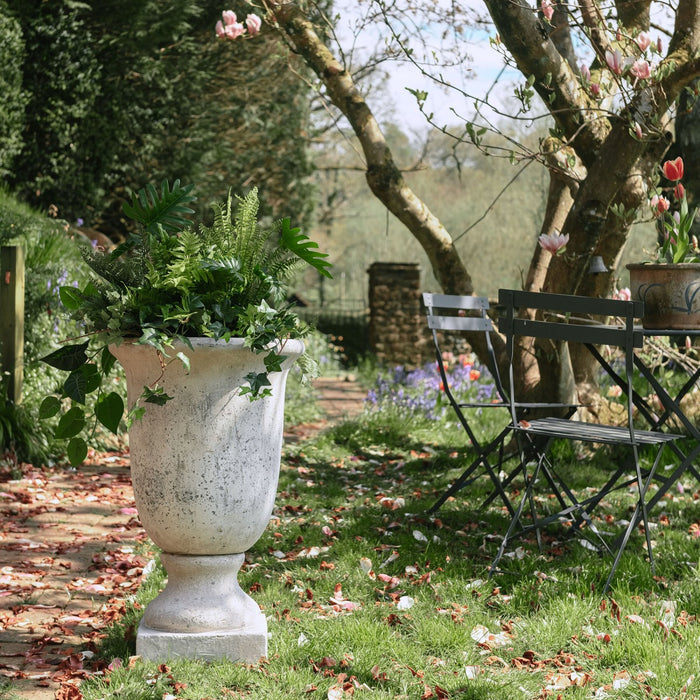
(593, 432)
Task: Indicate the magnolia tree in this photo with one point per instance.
(608, 79)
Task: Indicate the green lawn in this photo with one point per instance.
(366, 595)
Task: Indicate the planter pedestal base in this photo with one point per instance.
(247, 645)
(202, 613)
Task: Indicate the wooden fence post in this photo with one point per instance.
(12, 319)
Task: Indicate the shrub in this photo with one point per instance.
(14, 99)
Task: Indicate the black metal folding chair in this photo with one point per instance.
(454, 313)
(572, 319)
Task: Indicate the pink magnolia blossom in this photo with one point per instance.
(595, 89)
(253, 22)
(229, 17)
(643, 41)
(638, 131)
(624, 294)
(641, 69)
(553, 242)
(547, 9)
(220, 31)
(233, 31)
(659, 45)
(585, 73)
(615, 61)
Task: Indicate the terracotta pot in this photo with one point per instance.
(670, 292)
(204, 468)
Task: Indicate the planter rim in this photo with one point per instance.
(294, 344)
(671, 266)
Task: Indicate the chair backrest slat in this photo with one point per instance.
(459, 323)
(564, 326)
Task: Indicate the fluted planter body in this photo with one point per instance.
(670, 292)
(204, 468)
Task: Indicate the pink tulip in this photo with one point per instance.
(229, 17)
(643, 41)
(679, 192)
(253, 22)
(233, 31)
(641, 69)
(553, 242)
(547, 9)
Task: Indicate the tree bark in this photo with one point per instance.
(383, 176)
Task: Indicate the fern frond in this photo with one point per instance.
(122, 272)
(251, 239)
(166, 210)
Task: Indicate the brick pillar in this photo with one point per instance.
(396, 319)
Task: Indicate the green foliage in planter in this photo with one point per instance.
(171, 282)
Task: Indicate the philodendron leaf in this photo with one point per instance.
(71, 423)
(77, 451)
(167, 209)
(68, 358)
(302, 246)
(70, 297)
(107, 361)
(82, 381)
(50, 406)
(109, 410)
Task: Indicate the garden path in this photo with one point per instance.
(72, 548)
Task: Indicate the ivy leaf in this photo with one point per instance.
(136, 413)
(68, 358)
(156, 396)
(77, 451)
(109, 410)
(49, 407)
(302, 246)
(256, 382)
(185, 361)
(273, 362)
(71, 423)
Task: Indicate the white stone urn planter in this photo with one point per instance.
(204, 468)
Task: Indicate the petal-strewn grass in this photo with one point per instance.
(367, 595)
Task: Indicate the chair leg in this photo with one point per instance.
(640, 509)
(466, 477)
(518, 513)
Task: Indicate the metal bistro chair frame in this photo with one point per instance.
(448, 312)
(438, 320)
(554, 313)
